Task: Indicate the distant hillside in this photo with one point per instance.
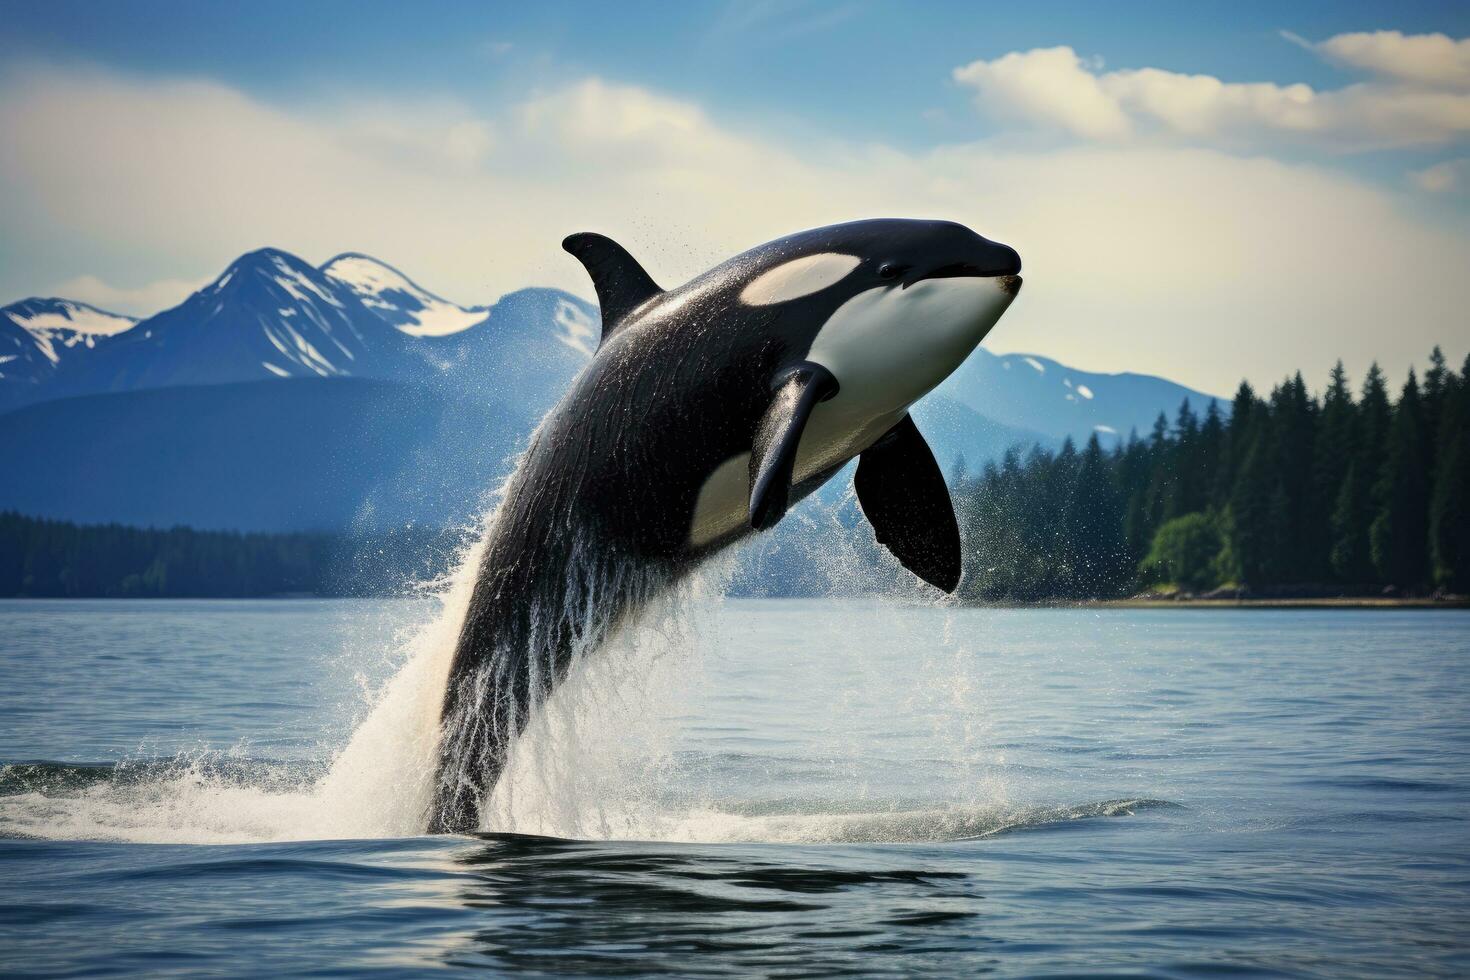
(303, 455)
(1058, 401)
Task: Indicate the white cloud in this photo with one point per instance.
(1445, 177)
(1054, 87)
(1186, 262)
(1434, 60)
(136, 301)
(1053, 84)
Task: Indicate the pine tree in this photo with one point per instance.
(1133, 479)
(1436, 381)
(1250, 537)
(1449, 510)
(1356, 502)
(1334, 457)
(1399, 534)
(1243, 409)
(1302, 530)
(1158, 499)
(1190, 491)
(1211, 446)
(1092, 525)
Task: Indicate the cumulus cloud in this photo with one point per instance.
(1182, 261)
(1055, 87)
(1424, 59)
(1051, 84)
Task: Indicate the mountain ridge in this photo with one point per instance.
(273, 314)
(280, 316)
(298, 365)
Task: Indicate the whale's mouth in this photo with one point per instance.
(1004, 268)
(1009, 283)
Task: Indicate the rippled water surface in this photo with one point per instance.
(744, 787)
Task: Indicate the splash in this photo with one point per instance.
(575, 771)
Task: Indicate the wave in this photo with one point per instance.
(243, 801)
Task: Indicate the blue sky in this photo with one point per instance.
(461, 141)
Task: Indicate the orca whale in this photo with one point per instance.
(708, 411)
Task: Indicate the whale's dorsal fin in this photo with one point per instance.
(773, 452)
(902, 493)
(620, 281)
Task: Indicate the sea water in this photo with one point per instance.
(769, 787)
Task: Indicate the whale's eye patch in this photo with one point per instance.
(891, 270)
(797, 278)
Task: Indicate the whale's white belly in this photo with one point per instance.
(832, 436)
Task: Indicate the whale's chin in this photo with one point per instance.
(888, 347)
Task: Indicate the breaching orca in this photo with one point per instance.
(706, 413)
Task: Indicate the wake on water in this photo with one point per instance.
(593, 763)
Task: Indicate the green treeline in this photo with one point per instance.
(1354, 493)
(58, 559)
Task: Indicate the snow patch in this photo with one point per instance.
(76, 318)
(1084, 391)
(441, 320)
(298, 285)
(279, 372)
(1105, 430)
(381, 287)
(297, 349)
(577, 331)
(1040, 368)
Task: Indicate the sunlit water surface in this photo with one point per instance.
(744, 787)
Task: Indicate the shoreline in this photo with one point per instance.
(1334, 602)
(1339, 602)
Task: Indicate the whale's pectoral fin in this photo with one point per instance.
(773, 453)
(902, 493)
(622, 285)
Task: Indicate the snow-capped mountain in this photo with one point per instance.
(37, 334)
(399, 300)
(63, 323)
(271, 315)
(1058, 401)
(268, 315)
